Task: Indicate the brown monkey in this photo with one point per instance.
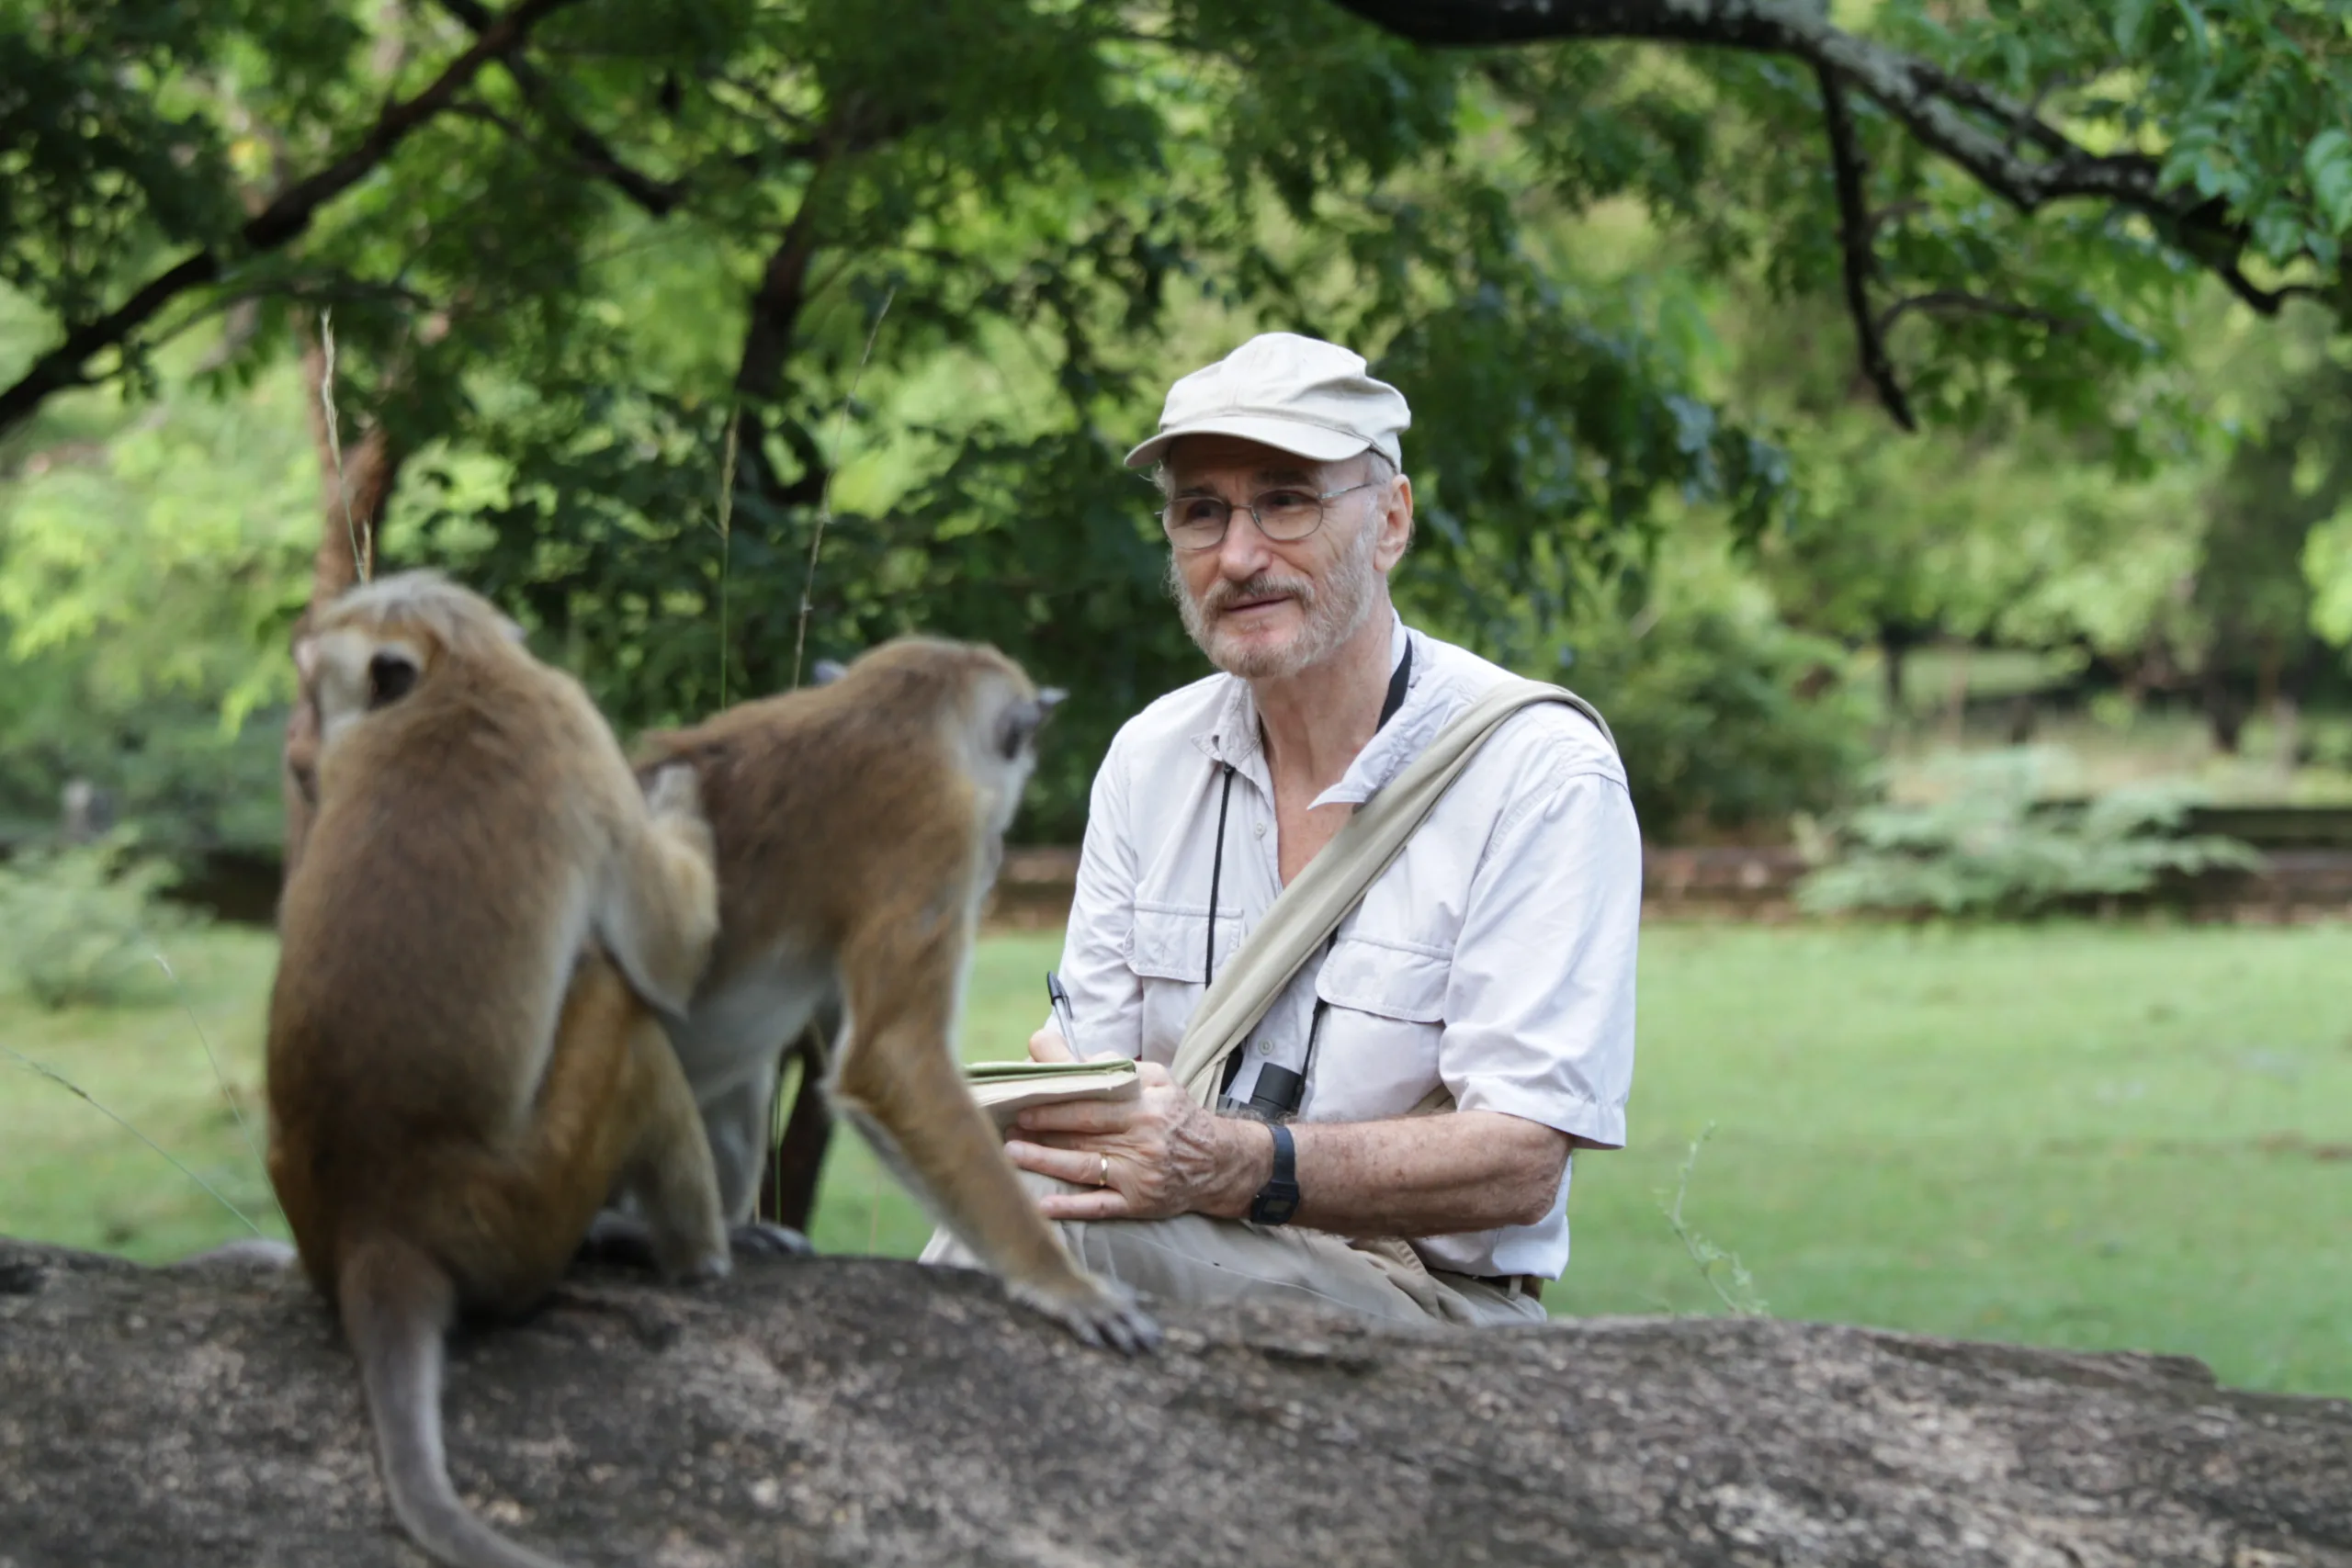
(859, 824)
(460, 1068)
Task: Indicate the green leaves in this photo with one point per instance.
(558, 287)
(2131, 26)
(2327, 161)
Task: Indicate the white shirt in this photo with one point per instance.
(1496, 956)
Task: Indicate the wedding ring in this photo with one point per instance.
(1104, 1179)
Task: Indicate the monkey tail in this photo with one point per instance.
(397, 1304)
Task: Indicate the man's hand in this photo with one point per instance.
(1166, 1155)
(1047, 1046)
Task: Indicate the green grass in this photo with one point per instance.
(2096, 1137)
(2101, 1137)
(69, 1175)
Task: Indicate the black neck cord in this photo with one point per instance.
(1397, 682)
(1217, 876)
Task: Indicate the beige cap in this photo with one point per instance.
(1292, 394)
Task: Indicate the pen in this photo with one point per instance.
(1060, 1000)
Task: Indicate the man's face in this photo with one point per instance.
(1265, 609)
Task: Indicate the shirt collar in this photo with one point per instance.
(1233, 736)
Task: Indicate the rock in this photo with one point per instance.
(849, 1411)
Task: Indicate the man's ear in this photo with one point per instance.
(1395, 524)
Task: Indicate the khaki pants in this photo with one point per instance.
(1194, 1260)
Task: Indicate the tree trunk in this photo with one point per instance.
(2225, 710)
(1893, 643)
(2268, 662)
(1956, 697)
(350, 514)
(788, 1184)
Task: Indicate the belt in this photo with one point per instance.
(1528, 1285)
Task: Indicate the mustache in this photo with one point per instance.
(1225, 592)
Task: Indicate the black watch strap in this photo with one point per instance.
(1277, 1200)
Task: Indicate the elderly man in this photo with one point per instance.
(1493, 958)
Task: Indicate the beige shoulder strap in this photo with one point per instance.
(1319, 899)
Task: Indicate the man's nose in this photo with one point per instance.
(1244, 551)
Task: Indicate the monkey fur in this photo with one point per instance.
(859, 824)
(462, 1065)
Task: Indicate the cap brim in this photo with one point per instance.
(1317, 443)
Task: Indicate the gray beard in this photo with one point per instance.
(1333, 613)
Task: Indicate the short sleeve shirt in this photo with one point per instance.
(1496, 956)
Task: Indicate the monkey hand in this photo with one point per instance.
(1150, 1157)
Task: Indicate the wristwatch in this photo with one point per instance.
(1277, 1200)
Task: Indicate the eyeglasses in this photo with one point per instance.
(1287, 516)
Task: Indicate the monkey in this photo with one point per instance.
(464, 1061)
(859, 823)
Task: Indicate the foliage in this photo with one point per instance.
(2194, 575)
(576, 266)
(2014, 531)
(148, 576)
(1278, 167)
(84, 921)
(2011, 184)
(1991, 847)
(1728, 720)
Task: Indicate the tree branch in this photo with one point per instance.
(1957, 299)
(285, 220)
(1861, 261)
(657, 197)
(2002, 144)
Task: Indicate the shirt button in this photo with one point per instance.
(1266, 1047)
(1261, 830)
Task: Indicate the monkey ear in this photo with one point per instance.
(827, 672)
(1049, 699)
(391, 675)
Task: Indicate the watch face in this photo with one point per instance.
(1275, 1209)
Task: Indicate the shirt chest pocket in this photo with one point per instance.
(1383, 1015)
(1167, 949)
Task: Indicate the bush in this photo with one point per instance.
(79, 924)
(1727, 722)
(1731, 722)
(1990, 847)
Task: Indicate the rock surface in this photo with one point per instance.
(864, 1411)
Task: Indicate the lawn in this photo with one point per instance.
(2098, 1136)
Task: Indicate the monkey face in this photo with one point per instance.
(1017, 726)
(1005, 742)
